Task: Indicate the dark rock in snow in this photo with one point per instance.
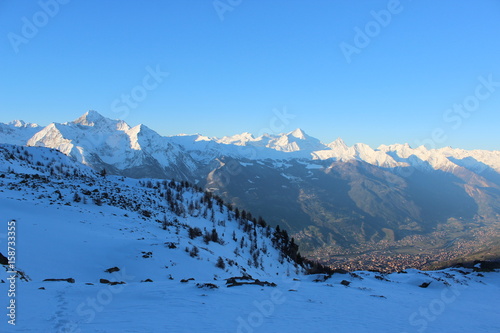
(112, 269)
(3, 259)
(70, 280)
(242, 280)
(207, 286)
(187, 280)
(425, 284)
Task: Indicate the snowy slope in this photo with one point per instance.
(74, 223)
(58, 237)
(368, 305)
(48, 193)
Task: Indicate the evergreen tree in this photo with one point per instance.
(194, 252)
(214, 237)
(207, 237)
(164, 223)
(76, 197)
(194, 232)
(220, 263)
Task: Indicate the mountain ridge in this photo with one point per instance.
(294, 144)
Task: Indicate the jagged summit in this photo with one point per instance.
(394, 147)
(297, 140)
(338, 144)
(299, 134)
(22, 123)
(93, 118)
(89, 118)
(142, 128)
(93, 134)
(239, 139)
(17, 132)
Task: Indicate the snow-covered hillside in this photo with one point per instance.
(183, 227)
(133, 261)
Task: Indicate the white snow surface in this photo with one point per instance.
(57, 237)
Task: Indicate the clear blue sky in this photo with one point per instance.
(227, 76)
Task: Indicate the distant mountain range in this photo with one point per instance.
(329, 196)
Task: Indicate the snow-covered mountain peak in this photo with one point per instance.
(90, 118)
(200, 137)
(188, 138)
(95, 119)
(141, 135)
(363, 148)
(17, 132)
(21, 123)
(52, 136)
(296, 140)
(299, 134)
(95, 139)
(395, 147)
(239, 139)
(143, 129)
(338, 144)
